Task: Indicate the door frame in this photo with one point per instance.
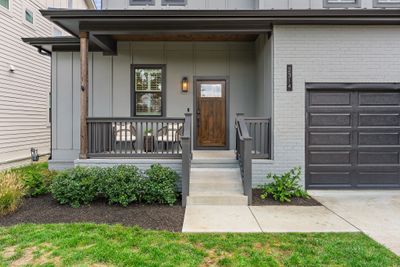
(227, 108)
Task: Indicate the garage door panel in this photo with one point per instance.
(329, 139)
(379, 120)
(330, 120)
(330, 99)
(379, 99)
(352, 137)
(338, 177)
(330, 157)
(378, 157)
(378, 138)
(378, 177)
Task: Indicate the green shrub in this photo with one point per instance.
(160, 185)
(36, 178)
(284, 187)
(121, 184)
(75, 187)
(11, 192)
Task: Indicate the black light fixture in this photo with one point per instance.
(185, 85)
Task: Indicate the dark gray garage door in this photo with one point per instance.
(352, 136)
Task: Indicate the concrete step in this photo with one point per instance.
(225, 200)
(201, 186)
(209, 188)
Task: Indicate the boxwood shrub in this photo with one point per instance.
(123, 185)
(160, 185)
(75, 187)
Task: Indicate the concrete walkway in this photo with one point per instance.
(244, 219)
(376, 213)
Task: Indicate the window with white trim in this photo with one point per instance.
(5, 3)
(29, 16)
(148, 90)
(387, 3)
(141, 2)
(342, 3)
(173, 2)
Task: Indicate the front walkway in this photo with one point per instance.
(376, 213)
(263, 219)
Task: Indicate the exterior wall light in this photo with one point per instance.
(12, 68)
(185, 85)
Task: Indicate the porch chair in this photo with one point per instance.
(124, 136)
(170, 134)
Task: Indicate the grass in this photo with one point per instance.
(11, 192)
(103, 245)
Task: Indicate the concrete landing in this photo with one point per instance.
(374, 212)
(217, 219)
(267, 219)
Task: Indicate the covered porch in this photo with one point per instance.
(158, 87)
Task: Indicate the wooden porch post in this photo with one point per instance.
(84, 51)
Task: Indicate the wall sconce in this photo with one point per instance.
(185, 85)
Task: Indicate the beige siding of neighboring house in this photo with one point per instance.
(24, 93)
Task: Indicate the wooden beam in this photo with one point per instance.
(106, 43)
(84, 53)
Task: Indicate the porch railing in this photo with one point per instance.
(135, 137)
(252, 142)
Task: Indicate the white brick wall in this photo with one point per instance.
(322, 54)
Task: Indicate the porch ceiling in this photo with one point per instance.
(106, 27)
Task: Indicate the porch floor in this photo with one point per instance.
(213, 154)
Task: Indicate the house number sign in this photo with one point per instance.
(289, 75)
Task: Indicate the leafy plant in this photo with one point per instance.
(121, 184)
(160, 185)
(75, 187)
(36, 178)
(148, 132)
(284, 187)
(11, 192)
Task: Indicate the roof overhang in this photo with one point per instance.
(105, 27)
(47, 45)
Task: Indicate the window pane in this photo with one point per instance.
(148, 80)
(148, 104)
(141, 2)
(389, 1)
(5, 3)
(29, 16)
(342, 1)
(174, 2)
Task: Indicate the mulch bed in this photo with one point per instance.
(45, 209)
(258, 201)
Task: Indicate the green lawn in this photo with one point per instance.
(103, 245)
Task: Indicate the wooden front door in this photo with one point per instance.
(211, 114)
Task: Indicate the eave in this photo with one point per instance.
(105, 27)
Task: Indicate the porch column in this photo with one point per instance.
(84, 51)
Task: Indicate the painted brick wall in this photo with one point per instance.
(322, 54)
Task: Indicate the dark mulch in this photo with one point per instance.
(45, 209)
(258, 201)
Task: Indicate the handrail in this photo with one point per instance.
(253, 140)
(186, 157)
(243, 154)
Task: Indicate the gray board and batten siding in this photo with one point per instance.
(110, 83)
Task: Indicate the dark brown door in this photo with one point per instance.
(353, 138)
(211, 114)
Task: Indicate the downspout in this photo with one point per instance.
(48, 53)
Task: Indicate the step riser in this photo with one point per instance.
(215, 165)
(217, 200)
(205, 187)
